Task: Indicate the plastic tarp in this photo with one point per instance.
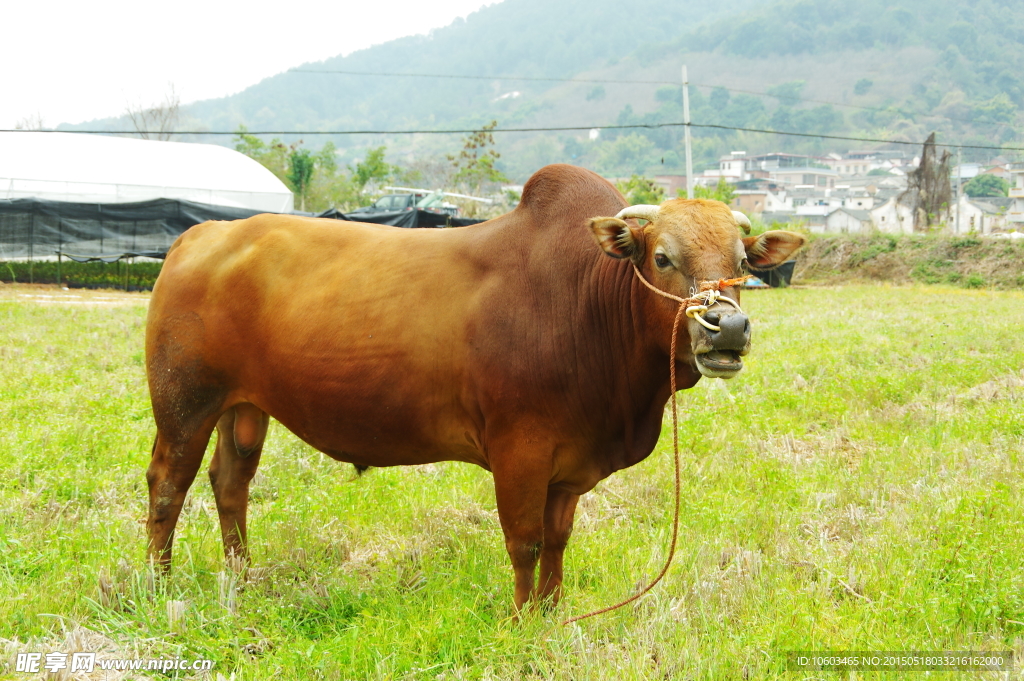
(36, 228)
(61, 166)
(404, 218)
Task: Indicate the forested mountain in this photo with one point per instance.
(968, 69)
(528, 38)
(893, 69)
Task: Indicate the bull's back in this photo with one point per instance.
(352, 335)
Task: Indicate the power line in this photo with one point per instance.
(460, 77)
(782, 98)
(567, 128)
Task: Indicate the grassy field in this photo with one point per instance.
(858, 488)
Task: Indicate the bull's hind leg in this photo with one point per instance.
(241, 431)
(187, 401)
(172, 469)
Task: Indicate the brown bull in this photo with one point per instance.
(517, 345)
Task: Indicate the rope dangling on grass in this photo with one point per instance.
(702, 301)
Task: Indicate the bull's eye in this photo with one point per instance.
(661, 261)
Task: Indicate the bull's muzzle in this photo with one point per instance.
(734, 331)
(724, 348)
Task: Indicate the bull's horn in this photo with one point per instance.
(642, 211)
(743, 221)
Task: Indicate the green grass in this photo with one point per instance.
(857, 488)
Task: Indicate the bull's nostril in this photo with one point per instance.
(734, 333)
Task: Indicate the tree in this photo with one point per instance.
(719, 98)
(373, 169)
(723, 191)
(156, 122)
(819, 119)
(986, 185)
(33, 122)
(330, 188)
(312, 176)
(475, 164)
(633, 153)
(273, 155)
(999, 109)
(301, 165)
(743, 111)
(639, 189)
(788, 94)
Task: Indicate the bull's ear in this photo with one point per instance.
(618, 239)
(771, 249)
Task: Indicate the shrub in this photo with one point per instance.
(132, 276)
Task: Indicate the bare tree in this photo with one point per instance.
(33, 122)
(428, 171)
(156, 122)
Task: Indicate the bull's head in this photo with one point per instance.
(683, 243)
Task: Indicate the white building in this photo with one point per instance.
(848, 221)
(731, 168)
(1015, 214)
(978, 216)
(824, 178)
(893, 217)
(63, 166)
(847, 166)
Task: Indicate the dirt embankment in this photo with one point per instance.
(971, 262)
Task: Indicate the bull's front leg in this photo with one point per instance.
(521, 487)
(558, 514)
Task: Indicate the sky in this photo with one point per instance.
(70, 62)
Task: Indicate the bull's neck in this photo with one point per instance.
(633, 355)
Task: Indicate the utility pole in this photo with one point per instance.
(959, 171)
(686, 134)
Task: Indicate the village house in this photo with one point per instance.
(849, 166)
(737, 167)
(893, 217)
(750, 201)
(671, 184)
(999, 167)
(1015, 211)
(986, 215)
(805, 177)
(848, 221)
(731, 168)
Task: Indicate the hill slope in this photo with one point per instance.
(892, 68)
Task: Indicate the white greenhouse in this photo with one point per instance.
(60, 166)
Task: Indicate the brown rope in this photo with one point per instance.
(702, 287)
(675, 448)
(680, 313)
